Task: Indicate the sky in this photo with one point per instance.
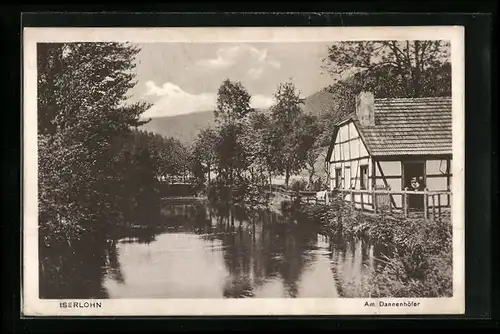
(181, 78)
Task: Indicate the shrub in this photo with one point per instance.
(298, 185)
(421, 259)
(242, 191)
(318, 185)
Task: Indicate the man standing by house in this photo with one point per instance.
(421, 184)
(417, 200)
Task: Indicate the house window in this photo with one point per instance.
(338, 177)
(364, 177)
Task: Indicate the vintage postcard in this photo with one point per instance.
(243, 171)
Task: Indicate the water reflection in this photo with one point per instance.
(200, 251)
(76, 270)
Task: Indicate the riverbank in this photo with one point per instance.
(417, 261)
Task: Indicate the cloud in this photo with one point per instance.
(255, 73)
(173, 101)
(229, 56)
(168, 89)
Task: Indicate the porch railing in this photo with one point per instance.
(379, 200)
(384, 200)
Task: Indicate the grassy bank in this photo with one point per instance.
(418, 257)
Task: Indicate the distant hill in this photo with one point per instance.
(186, 127)
(319, 103)
(181, 127)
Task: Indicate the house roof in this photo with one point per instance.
(409, 126)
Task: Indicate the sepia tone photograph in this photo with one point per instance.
(198, 168)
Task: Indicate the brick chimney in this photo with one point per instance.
(365, 109)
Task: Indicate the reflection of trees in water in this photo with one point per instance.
(113, 265)
(76, 268)
(295, 244)
(140, 234)
(353, 259)
(365, 250)
(73, 271)
(259, 248)
(190, 215)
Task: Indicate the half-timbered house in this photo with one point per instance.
(393, 144)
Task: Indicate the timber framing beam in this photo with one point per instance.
(412, 157)
(365, 157)
(393, 202)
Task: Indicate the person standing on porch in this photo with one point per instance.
(415, 200)
(421, 183)
(414, 185)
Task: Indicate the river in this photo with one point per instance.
(197, 251)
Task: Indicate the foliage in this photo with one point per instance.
(233, 103)
(172, 158)
(143, 159)
(204, 150)
(393, 68)
(96, 172)
(81, 109)
(232, 112)
(84, 85)
(243, 192)
(255, 139)
(310, 143)
(246, 147)
(291, 133)
(318, 185)
(298, 185)
(235, 149)
(421, 260)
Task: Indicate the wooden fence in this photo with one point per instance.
(379, 200)
(384, 200)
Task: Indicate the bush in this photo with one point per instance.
(421, 261)
(242, 192)
(298, 185)
(318, 185)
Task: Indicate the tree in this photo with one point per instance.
(233, 103)
(288, 105)
(254, 138)
(286, 155)
(204, 149)
(232, 112)
(392, 68)
(82, 109)
(310, 145)
(86, 84)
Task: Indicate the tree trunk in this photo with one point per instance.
(287, 177)
(270, 182)
(311, 176)
(416, 78)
